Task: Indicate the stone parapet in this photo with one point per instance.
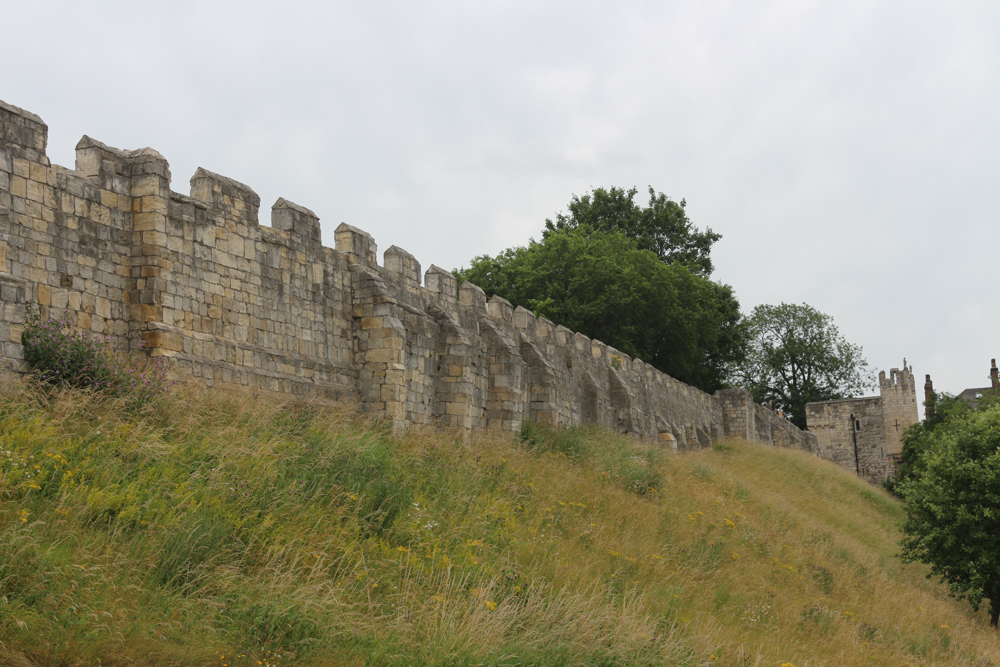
(865, 434)
(200, 282)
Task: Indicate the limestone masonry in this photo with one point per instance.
(197, 279)
(864, 434)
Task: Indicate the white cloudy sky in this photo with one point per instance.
(848, 151)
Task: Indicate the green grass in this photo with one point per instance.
(217, 528)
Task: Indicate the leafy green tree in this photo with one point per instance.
(953, 508)
(604, 286)
(920, 438)
(662, 227)
(795, 355)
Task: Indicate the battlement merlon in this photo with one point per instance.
(300, 223)
(221, 193)
(135, 173)
(24, 134)
(402, 264)
(501, 311)
(357, 245)
(473, 296)
(525, 321)
(441, 282)
(897, 378)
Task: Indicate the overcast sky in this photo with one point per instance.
(847, 151)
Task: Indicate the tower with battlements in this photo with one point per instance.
(899, 407)
(865, 434)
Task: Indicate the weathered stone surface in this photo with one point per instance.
(198, 281)
(864, 434)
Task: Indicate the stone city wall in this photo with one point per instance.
(865, 434)
(110, 248)
(850, 432)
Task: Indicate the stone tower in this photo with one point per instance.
(899, 407)
(928, 393)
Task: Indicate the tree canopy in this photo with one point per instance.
(796, 355)
(661, 227)
(602, 284)
(953, 506)
(921, 437)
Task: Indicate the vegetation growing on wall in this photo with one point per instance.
(64, 357)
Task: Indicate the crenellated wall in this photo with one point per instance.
(112, 249)
(865, 434)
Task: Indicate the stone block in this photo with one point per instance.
(457, 409)
(44, 295)
(35, 191)
(38, 172)
(382, 355)
(18, 186)
(102, 307)
(109, 199)
(59, 298)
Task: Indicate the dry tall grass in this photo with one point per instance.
(220, 528)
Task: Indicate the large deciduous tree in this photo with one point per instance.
(795, 355)
(662, 227)
(603, 285)
(953, 507)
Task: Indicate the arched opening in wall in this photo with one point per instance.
(589, 410)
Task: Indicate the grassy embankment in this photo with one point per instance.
(223, 529)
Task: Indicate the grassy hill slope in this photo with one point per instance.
(226, 529)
